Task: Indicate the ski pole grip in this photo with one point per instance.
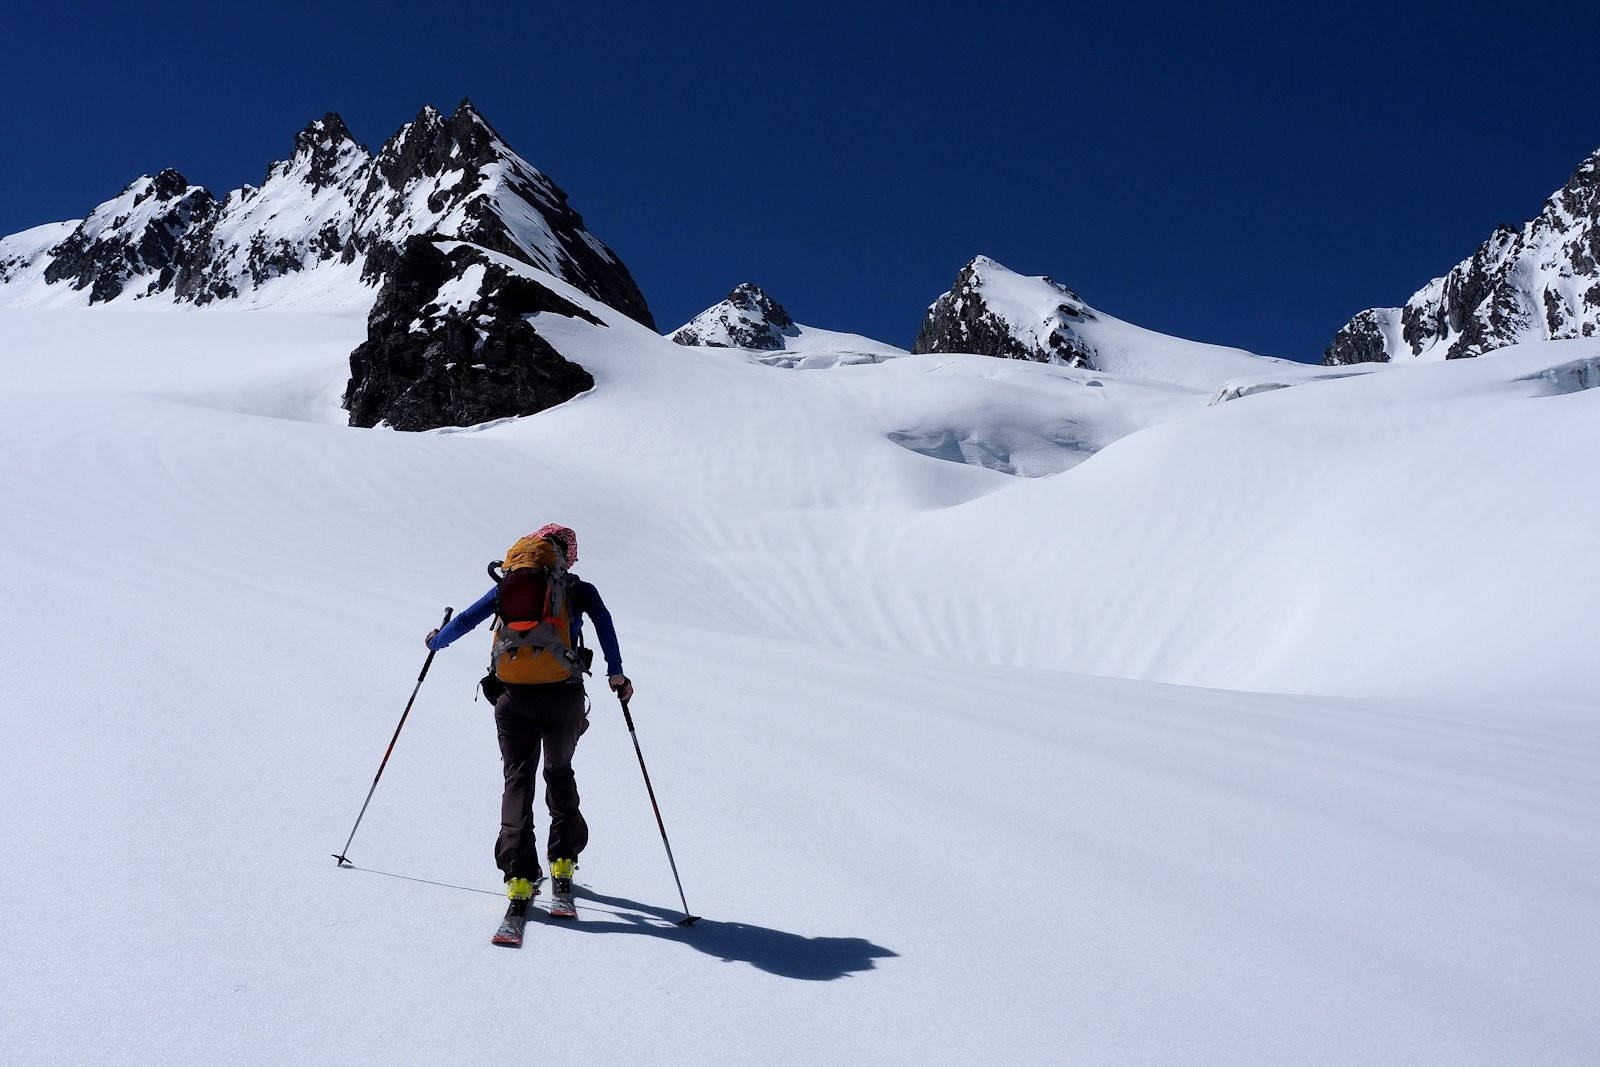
(429, 661)
(627, 715)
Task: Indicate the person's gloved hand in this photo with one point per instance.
(429, 639)
(622, 687)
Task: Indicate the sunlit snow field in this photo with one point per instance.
(959, 765)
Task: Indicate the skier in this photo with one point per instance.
(536, 683)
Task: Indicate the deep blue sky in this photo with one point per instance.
(1246, 174)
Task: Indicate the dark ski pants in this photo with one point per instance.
(528, 717)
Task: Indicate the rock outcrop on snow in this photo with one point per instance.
(748, 318)
(1541, 282)
(332, 203)
(992, 311)
(449, 344)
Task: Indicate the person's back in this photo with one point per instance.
(538, 662)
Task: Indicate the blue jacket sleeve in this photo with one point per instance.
(589, 602)
(465, 622)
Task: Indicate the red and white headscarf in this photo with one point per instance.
(564, 534)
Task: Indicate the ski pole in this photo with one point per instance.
(688, 918)
(344, 861)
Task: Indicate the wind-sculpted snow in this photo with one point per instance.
(885, 786)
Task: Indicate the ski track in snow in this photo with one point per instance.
(919, 828)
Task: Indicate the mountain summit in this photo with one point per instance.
(990, 310)
(748, 318)
(1538, 283)
(331, 205)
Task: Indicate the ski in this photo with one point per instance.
(510, 932)
(561, 905)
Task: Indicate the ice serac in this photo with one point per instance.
(449, 343)
(748, 318)
(992, 311)
(1540, 282)
(131, 244)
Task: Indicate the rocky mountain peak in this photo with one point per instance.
(748, 297)
(413, 150)
(330, 204)
(321, 149)
(131, 242)
(431, 144)
(1537, 282)
(993, 311)
(479, 142)
(168, 185)
(747, 318)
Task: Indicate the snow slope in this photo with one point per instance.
(906, 717)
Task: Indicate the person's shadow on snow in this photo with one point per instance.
(813, 959)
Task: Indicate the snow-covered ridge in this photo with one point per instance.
(992, 310)
(333, 214)
(1541, 282)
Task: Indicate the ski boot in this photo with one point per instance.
(561, 906)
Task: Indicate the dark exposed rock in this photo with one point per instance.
(132, 241)
(470, 359)
(1362, 340)
(324, 145)
(962, 320)
(748, 318)
(1518, 286)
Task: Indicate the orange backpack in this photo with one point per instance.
(533, 616)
